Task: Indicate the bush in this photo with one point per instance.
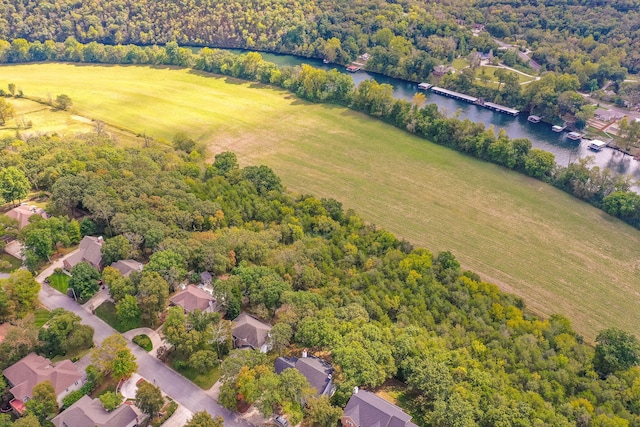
(72, 397)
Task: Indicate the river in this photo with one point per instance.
(541, 136)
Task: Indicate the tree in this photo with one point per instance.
(321, 413)
(21, 293)
(119, 286)
(67, 193)
(169, 264)
(103, 357)
(616, 350)
(128, 312)
(7, 111)
(44, 402)
(115, 249)
(203, 419)
(124, 364)
(225, 162)
(280, 337)
(29, 420)
(110, 400)
(203, 360)
(63, 102)
(64, 333)
(153, 292)
(182, 142)
(14, 185)
(84, 280)
(149, 399)
(263, 178)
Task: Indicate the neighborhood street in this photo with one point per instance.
(173, 384)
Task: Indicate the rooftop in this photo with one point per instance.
(22, 214)
(193, 298)
(88, 412)
(316, 371)
(249, 331)
(367, 409)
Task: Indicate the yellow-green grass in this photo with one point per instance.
(561, 255)
(9, 263)
(60, 282)
(493, 80)
(460, 63)
(36, 118)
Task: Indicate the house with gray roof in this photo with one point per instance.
(90, 250)
(317, 372)
(192, 298)
(365, 409)
(32, 370)
(88, 412)
(127, 266)
(249, 332)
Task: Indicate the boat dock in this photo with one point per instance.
(557, 128)
(534, 119)
(424, 86)
(453, 94)
(501, 108)
(472, 99)
(574, 136)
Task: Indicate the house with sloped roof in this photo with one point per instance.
(90, 250)
(317, 372)
(249, 332)
(88, 412)
(22, 214)
(32, 370)
(127, 266)
(365, 409)
(192, 298)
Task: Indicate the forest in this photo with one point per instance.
(375, 306)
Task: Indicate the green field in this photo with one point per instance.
(60, 282)
(558, 253)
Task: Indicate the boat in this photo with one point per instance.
(557, 128)
(425, 86)
(597, 145)
(574, 136)
(325, 61)
(534, 119)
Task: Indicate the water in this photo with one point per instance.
(541, 136)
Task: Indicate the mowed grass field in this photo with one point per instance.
(561, 255)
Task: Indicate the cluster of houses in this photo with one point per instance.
(65, 377)
(363, 410)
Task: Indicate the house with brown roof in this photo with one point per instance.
(249, 332)
(365, 409)
(88, 412)
(317, 372)
(90, 251)
(127, 266)
(32, 370)
(23, 212)
(193, 298)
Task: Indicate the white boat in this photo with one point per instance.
(557, 128)
(425, 86)
(574, 136)
(597, 145)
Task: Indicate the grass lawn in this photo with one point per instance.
(204, 380)
(460, 63)
(107, 312)
(143, 341)
(561, 255)
(41, 316)
(60, 282)
(71, 356)
(493, 82)
(108, 384)
(13, 263)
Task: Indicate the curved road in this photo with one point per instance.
(175, 385)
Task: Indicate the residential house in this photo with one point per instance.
(249, 332)
(193, 298)
(316, 371)
(89, 251)
(32, 370)
(88, 412)
(127, 266)
(607, 115)
(23, 212)
(365, 409)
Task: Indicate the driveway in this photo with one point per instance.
(173, 384)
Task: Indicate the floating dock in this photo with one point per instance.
(574, 136)
(501, 108)
(557, 128)
(534, 119)
(454, 95)
(424, 86)
(597, 145)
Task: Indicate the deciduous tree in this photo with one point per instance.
(149, 399)
(203, 419)
(84, 280)
(14, 185)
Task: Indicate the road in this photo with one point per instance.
(173, 384)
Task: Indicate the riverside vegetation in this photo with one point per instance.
(378, 306)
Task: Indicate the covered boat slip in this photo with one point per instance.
(597, 145)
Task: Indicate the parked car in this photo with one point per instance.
(281, 421)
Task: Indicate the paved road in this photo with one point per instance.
(173, 384)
